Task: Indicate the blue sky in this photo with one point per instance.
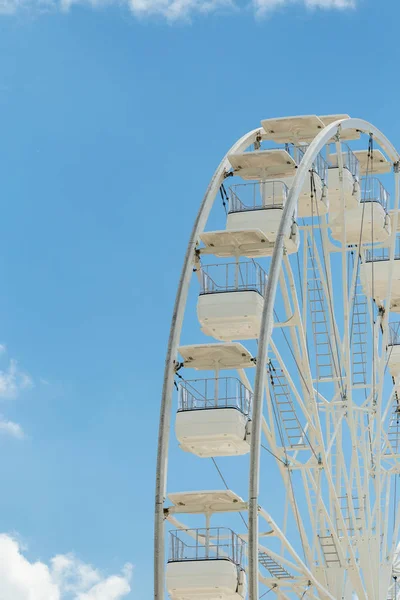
(114, 116)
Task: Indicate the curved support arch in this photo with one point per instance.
(314, 148)
(176, 326)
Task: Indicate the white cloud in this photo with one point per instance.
(11, 428)
(65, 577)
(112, 588)
(13, 380)
(331, 3)
(22, 580)
(263, 7)
(173, 10)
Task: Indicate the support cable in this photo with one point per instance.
(268, 591)
(370, 163)
(306, 590)
(371, 160)
(224, 197)
(227, 487)
(274, 455)
(300, 279)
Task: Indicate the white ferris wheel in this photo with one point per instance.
(285, 403)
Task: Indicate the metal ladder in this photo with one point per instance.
(318, 310)
(393, 433)
(276, 570)
(359, 335)
(347, 517)
(281, 395)
(329, 551)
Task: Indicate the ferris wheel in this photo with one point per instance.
(283, 410)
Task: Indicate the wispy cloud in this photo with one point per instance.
(13, 380)
(65, 577)
(10, 428)
(264, 7)
(174, 10)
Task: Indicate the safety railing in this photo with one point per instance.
(215, 392)
(394, 334)
(214, 543)
(320, 166)
(257, 196)
(233, 277)
(377, 254)
(372, 190)
(350, 161)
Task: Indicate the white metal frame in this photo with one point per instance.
(259, 424)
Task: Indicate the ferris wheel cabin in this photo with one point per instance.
(394, 351)
(375, 273)
(206, 563)
(231, 300)
(365, 198)
(213, 416)
(281, 164)
(348, 186)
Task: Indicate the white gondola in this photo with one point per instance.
(214, 417)
(373, 219)
(206, 564)
(375, 274)
(281, 164)
(394, 351)
(313, 199)
(214, 414)
(254, 216)
(231, 300)
(348, 186)
(263, 210)
(369, 221)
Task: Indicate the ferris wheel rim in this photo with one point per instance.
(176, 325)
